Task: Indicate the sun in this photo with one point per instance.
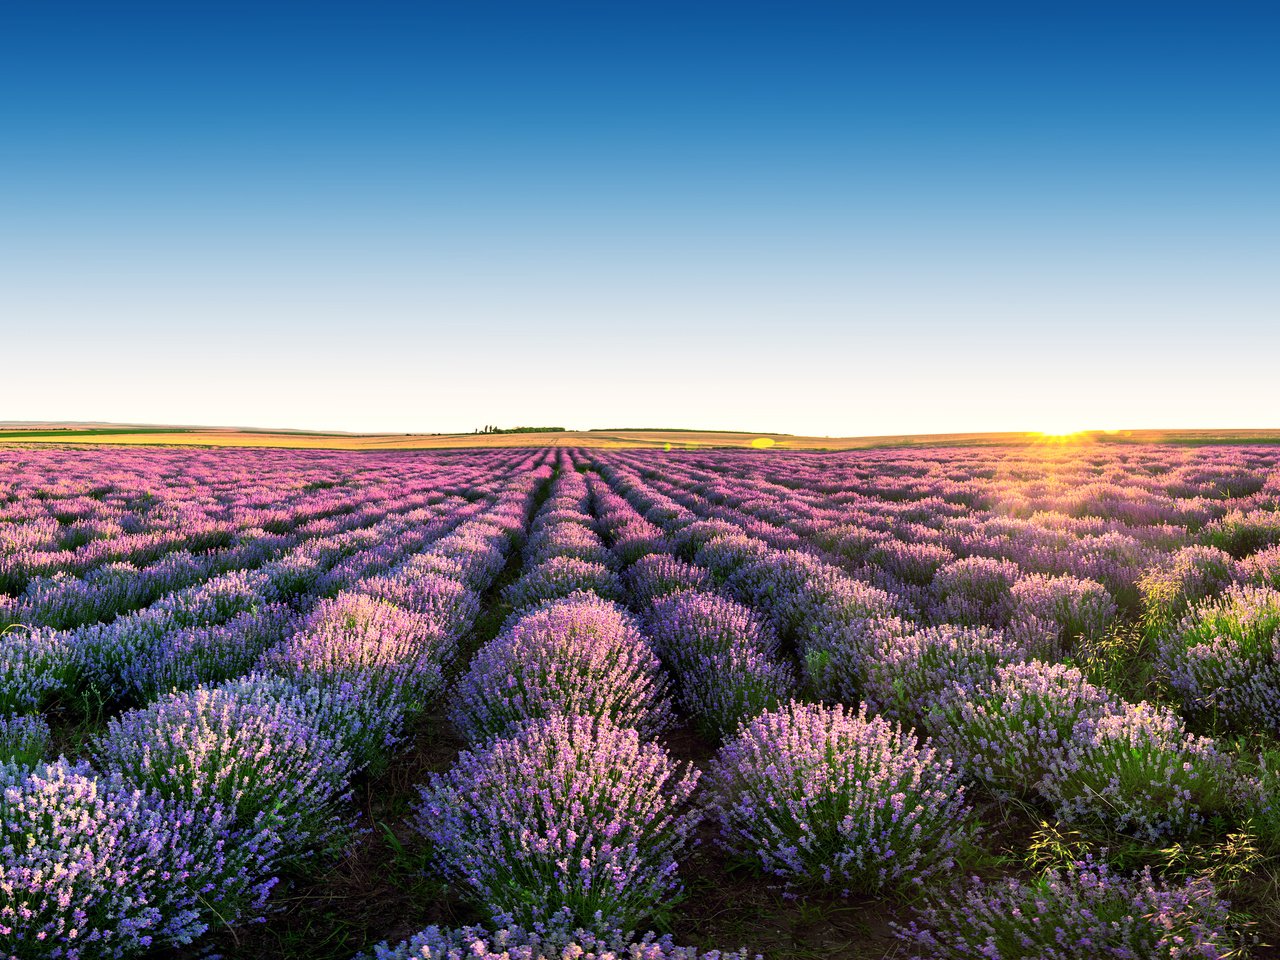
(1059, 434)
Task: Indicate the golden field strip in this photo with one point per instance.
(604, 439)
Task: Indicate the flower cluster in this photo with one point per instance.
(559, 577)
(262, 759)
(815, 793)
(1223, 660)
(572, 814)
(554, 940)
(1082, 912)
(24, 740)
(724, 660)
(581, 655)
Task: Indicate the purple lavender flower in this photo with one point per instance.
(1082, 912)
(24, 740)
(1242, 532)
(566, 538)
(450, 606)
(912, 563)
(816, 794)
(1261, 569)
(395, 655)
(1223, 659)
(582, 655)
(572, 814)
(555, 940)
(262, 760)
(559, 577)
(723, 658)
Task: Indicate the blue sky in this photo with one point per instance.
(803, 217)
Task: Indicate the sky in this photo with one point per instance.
(815, 218)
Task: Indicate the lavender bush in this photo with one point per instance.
(1185, 578)
(189, 656)
(560, 577)
(24, 740)
(555, 940)
(566, 538)
(93, 869)
(1138, 772)
(1261, 569)
(263, 761)
(581, 655)
(726, 553)
(904, 676)
(354, 714)
(658, 575)
(36, 665)
(1242, 532)
(449, 606)
(818, 794)
(976, 591)
(723, 658)
(571, 814)
(1084, 912)
(393, 656)
(1223, 660)
(1077, 607)
(1008, 732)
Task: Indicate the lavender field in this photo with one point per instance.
(991, 702)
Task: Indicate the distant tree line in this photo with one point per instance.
(521, 430)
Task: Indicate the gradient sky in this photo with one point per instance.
(802, 217)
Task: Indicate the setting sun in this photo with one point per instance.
(1060, 436)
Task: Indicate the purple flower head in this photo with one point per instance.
(571, 814)
(263, 760)
(658, 575)
(817, 794)
(559, 577)
(1223, 659)
(581, 655)
(1082, 912)
(723, 658)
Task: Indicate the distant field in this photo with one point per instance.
(600, 439)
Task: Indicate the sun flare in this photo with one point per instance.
(1060, 435)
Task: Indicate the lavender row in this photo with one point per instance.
(135, 506)
(565, 821)
(204, 798)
